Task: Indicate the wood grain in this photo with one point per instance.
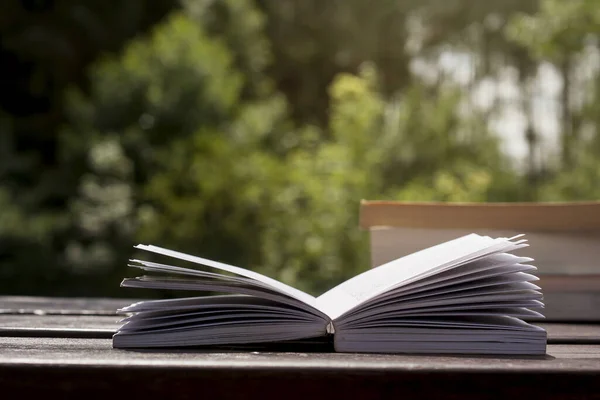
(90, 368)
(61, 305)
(99, 352)
(69, 364)
(83, 326)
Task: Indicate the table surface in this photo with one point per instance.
(63, 346)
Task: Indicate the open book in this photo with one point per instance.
(468, 295)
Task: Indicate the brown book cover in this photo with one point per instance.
(539, 217)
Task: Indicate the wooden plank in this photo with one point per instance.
(61, 305)
(83, 326)
(104, 322)
(234, 383)
(91, 368)
(96, 352)
(572, 306)
(104, 326)
(560, 333)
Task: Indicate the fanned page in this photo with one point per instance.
(276, 285)
(361, 288)
(258, 310)
(466, 296)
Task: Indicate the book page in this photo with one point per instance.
(217, 320)
(200, 285)
(276, 285)
(529, 299)
(166, 308)
(436, 312)
(240, 317)
(403, 270)
(197, 274)
(461, 320)
(455, 279)
(483, 334)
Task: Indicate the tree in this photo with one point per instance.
(192, 138)
(565, 34)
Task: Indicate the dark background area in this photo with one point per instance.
(249, 131)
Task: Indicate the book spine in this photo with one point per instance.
(330, 328)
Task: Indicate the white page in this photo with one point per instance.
(500, 289)
(228, 334)
(219, 286)
(204, 277)
(162, 314)
(491, 300)
(263, 328)
(201, 277)
(500, 284)
(428, 283)
(171, 269)
(492, 334)
(474, 322)
(354, 291)
(535, 347)
(199, 303)
(458, 264)
(525, 303)
(442, 334)
(511, 273)
(152, 317)
(205, 319)
(438, 312)
(279, 286)
(431, 314)
(499, 264)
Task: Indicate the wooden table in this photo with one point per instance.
(62, 348)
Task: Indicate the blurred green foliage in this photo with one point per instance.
(249, 131)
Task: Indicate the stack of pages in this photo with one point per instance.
(466, 296)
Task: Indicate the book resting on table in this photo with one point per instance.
(469, 295)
